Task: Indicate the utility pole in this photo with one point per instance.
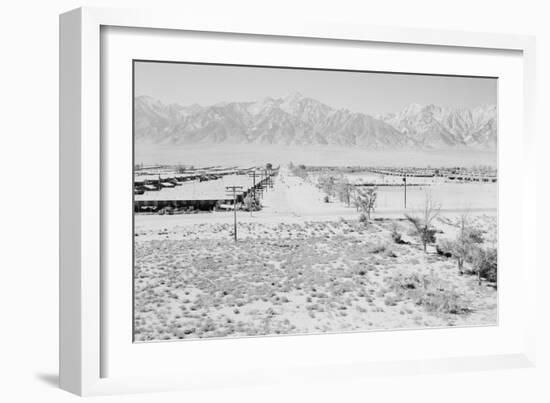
(254, 184)
(261, 184)
(267, 186)
(269, 179)
(405, 190)
(234, 190)
(253, 176)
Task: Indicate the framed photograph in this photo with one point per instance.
(249, 202)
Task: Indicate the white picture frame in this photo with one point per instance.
(82, 299)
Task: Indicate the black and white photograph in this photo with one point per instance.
(288, 201)
(275, 202)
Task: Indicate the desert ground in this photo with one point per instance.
(301, 265)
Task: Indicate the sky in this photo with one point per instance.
(366, 92)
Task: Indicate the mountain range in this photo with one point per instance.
(302, 121)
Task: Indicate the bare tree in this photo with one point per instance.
(251, 203)
(464, 246)
(327, 184)
(423, 221)
(364, 201)
(344, 189)
(485, 263)
(467, 247)
(299, 171)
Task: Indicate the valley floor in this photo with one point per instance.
(299, 266)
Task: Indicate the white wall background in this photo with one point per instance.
(29, 209)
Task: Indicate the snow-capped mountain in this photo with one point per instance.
(434, 127)
(299, 120)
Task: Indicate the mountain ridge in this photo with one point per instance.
(297, 120)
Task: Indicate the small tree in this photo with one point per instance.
(464, 246)
(327, 184)
(251, 203)
(364, 201)
(344, 189)
(423, 223)
(484, 262)
(299, 171)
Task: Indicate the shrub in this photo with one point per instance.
(251, 203)
(299, 171)
(326, 199)
(396, 235)
(430, 292)
(464, 247)
(364, 201)
(378, 248)
(327, 184)
(422, 224)
(443, 301)
(444, 248)
(408, 282)
(391, 299)
(344, 190)
(485, 264)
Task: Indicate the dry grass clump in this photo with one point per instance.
(430, 292)
(381, 248)
(396, 231)
(443, 301)
(391, 299)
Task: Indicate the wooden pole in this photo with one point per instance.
(253, 176)
(235, 213)
(233, 190)
(254, 184)
(405, 190)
